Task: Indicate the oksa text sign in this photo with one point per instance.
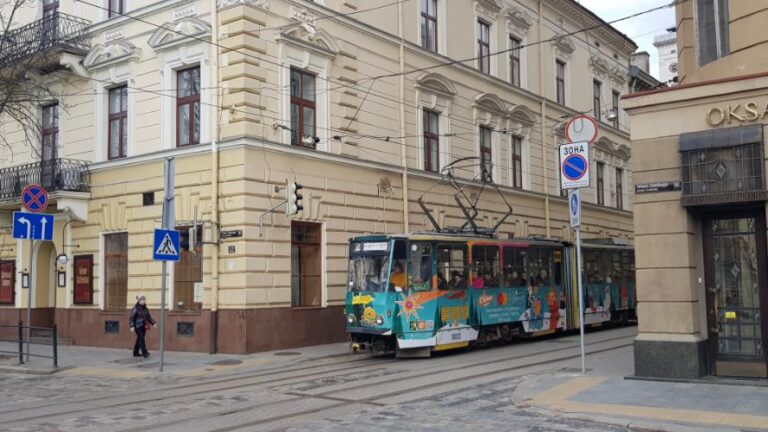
(574, 165)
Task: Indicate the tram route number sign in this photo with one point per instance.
(574, 165)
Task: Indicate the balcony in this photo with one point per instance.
(57, 175)
(50, 35)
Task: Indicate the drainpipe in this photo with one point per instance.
(544, 146)
(403, 156)
(214, 71)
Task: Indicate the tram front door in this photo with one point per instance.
(737, 298)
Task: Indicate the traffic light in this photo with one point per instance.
(293, 199)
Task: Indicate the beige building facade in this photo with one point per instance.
(363, 103)
(699, 166)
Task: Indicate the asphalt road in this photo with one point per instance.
(480, 390)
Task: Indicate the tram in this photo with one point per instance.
(419, 293)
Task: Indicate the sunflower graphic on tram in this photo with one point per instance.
(417, 293)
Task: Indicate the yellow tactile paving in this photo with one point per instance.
(106, 372)
(557, 398)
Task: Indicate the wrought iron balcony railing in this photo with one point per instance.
(57, 32)
(54, 175)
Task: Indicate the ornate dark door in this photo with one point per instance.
(737, 300)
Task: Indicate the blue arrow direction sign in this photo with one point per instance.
(167, 245)
(574, 207)
(32, 226)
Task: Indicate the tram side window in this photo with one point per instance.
(515, 274)
(420, 268)
(398, 279)
(593, 266)
(542, 265)
(452, 261)
(614, 271)
(485, 269)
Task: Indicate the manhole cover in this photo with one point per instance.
(131, 360)
(287, 353)
(231, 362)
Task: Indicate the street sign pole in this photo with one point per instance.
(29, 298)
(581, 299)
(168, 221)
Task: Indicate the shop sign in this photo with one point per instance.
(742, 112)
(664, 186)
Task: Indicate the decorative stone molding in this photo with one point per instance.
(302, 14)
(184, 31)
(563, 46)
(106, 55)
(611, 148)
(185, 11)
(263, 4)
(624, 152)
(584, 19)
(488, 7)
(435, 83)
(518, 21)
(603, 68)
(490, 103)
(309, 37)
(114, 35)
(523, 115)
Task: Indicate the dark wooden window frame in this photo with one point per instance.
(118, 304)
(517, 161)
(600, 171)
(122, 123)
(619, 188)
(560, 81)
(597, 100)
(308, 244)
(50, 132)
(297, 131)
(615, 99)
(486, 150)
(431, 140)
(13, 282)
(429, 16)
(483, 47)
(188, 101)
(514, 61)
(50, 8)
(76, 299)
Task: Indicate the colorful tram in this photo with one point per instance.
(419, 293)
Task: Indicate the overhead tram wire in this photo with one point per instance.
(357, 83)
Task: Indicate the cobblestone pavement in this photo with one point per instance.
(483, 390)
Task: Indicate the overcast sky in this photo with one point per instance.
(640, 29)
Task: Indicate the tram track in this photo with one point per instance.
(328, 396)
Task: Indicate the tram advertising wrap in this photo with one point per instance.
(419, 293)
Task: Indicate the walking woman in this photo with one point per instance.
(140, 322)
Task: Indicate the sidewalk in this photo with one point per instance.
(659, 405)
(120, 363)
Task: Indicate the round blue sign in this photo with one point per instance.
(34, 198)
(574, 167)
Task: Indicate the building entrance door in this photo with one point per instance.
(737, 299)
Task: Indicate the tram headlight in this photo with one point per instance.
(351, 318)
(379, 320)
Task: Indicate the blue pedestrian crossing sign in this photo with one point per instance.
(167, 245)
(32, 226)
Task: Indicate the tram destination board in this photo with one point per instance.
(663, 186)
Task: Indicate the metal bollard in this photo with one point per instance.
(55, 347)
(21, 342)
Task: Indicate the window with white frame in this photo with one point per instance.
(712, 30)
(616, 95)
(303, 108)
(188, 106)
(428, 23)
(560, 81)
(597, 104)
(514, 61)
(486, 152)
(483, 46)
(431, 126)
(116, 8)
(517, 161)
(117, 123)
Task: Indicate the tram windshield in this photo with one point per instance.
(369, 273)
